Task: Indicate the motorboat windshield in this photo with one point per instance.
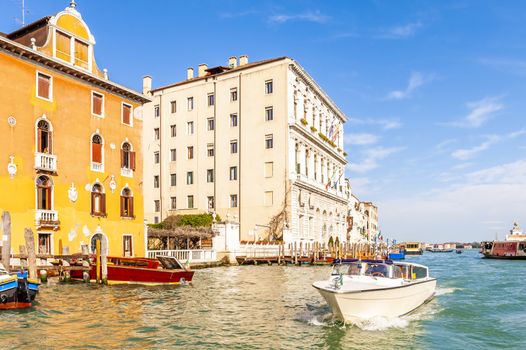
(375, 269)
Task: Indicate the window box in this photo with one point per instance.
(313, 129)
(304, 121)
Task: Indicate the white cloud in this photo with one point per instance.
(416, 80)
(467, 153)
(371, 158)
(473, 209)
(400, 32)
(310, 16)
(480, 112)
(386, 124)
(360, 139)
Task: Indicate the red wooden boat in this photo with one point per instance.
(160, 271)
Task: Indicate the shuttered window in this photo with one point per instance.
(44, 86)
(63, 46)
(127, 204)
(96, 149)
(126, 114)
(81, 54)
(97, 102)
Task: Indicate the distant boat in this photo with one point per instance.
(513, 248)
(364, 289)
(412, 248)
(459, 251)
(141, 271)
(396, 255)
(16, 290)
(439, 248)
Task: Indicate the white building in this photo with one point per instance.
(258, 142)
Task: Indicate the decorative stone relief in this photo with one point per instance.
(113, 184)
(11, 167)
(73, 194)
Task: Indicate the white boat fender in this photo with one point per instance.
(3, 298)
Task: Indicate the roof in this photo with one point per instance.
(230, 70)
(21, 51)
(31, 27)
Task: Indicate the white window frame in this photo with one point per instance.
(50, 99)
(271, 81)
(237, 201)
(188, 99)
(131, 114)
(101, 152)
(103, 108)
(132, 243)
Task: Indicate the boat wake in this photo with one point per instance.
(381, 323)
(444, 291)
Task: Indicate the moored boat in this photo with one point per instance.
(396, 255)
(513, 248)
(17, 291)
(160, 271)
(364, 289)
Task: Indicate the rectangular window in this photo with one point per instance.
(44, 86)
(173, 130)
(211, 99)
(269, 141)
(173, 203)
(127, 246)
(97, 104)
(173, 107)
(210, 202)
(210, 175)
(190, 128)
(157, 111)
(269, 169)
(233, 94)
(269, 198)
(63, 46)
(173, 155)
(173, 180)
(156, 134)
(233, 173)
(233, 146)
(190, 103)
(233, 120)
(157, 205)
(156, 157)
(210, 150)
(233, 201)
(156, 181)
(190, 152)
(269, 114)
(81, 54)
(190, 178)
(269, 88)
(126, 114)
(210, 124)
(190, 200)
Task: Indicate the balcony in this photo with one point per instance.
(320, 186)
(45, 162)
(126, 172)
(47, 218)
(99, 167)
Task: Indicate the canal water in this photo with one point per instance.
(479, 304)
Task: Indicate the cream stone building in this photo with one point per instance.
(371, 216)
(259, 143)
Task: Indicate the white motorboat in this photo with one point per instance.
(365, 289)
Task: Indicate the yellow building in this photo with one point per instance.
(69, 137)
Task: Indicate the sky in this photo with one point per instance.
(433, 90)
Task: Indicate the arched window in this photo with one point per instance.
(98, 200)
(97, 153)
(44, 193)
(127, 157)
(127, 203)
(44, 137)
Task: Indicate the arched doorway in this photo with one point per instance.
(93, 242)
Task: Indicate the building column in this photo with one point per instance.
(302, 158)
(292, 156)
(311, 164)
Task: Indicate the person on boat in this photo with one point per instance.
(376, 270)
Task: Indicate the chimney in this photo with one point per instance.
(243, 60)
(201, 70)
(146, 84)
(189, 73)
(232, 62)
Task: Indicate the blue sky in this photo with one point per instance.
(434, 91)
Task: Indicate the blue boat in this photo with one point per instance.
(17, 291)
(397, 255)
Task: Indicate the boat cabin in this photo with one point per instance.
(380, 268)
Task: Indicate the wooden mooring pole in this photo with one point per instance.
(31, 256)
(6, 240)
(97, 247)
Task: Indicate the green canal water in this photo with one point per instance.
(479, 304)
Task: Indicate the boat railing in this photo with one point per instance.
(184, 255)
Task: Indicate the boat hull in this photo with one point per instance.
(134, 275)
(17, 293)
(388, 302)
